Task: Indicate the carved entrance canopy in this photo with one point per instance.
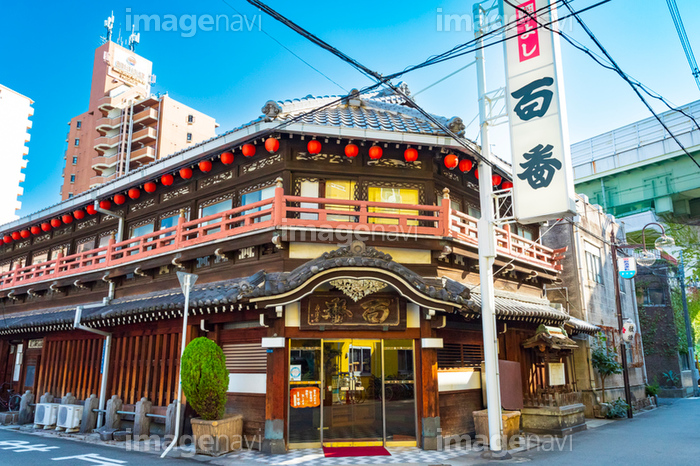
(356, 289)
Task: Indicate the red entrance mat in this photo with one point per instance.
(340, 452)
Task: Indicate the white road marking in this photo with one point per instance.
(20, 446)
(92, 458)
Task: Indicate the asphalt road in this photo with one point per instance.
(22, 449)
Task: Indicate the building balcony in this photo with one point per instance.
(144, 136)
(106, 124)
(288, 214)
(105, 143)
(106, 103)
(143, 155)
(146, 117)
(103, 163)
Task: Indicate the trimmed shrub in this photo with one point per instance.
(205, 378)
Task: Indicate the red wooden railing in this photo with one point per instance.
(285, 211)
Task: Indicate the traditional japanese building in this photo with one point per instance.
(335, 240)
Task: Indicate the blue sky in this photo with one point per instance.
(47, 55)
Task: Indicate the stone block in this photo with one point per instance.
(142, 423)
(552, 420)
(89, 421)
(511, 426)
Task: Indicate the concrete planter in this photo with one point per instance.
(553, 420)
(216, 438)
(511, 426)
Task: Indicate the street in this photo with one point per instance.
(28, 450)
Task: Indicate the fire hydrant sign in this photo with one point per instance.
(543, 185)
(305, 397)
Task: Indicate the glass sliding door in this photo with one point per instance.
(305, 392)
(352, 407)
(399, 392)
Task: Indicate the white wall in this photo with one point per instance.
(15, 110)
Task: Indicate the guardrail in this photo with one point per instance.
(286, 211)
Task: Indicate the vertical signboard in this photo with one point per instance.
(543, 185)
(627, 267)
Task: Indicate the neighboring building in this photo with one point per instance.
(588, 293)
(363, 273)
(125, 127)
(15, 110)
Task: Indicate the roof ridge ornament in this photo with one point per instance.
(271, 110)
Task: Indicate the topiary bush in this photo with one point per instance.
(205, 378)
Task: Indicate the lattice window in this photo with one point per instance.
(246, 358)
(459, 355)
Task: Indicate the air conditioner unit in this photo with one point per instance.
(69, 417)
(46, 414)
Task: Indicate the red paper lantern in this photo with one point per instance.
(248, 150)
(375, 152)
(272, 144)
(205, 166)
(150, 187)
(16, 236)
(476, 173)
(167, 180)
(496, 180)
(451, 161)
(105, 205)
(314, 147)
(351, 150)
(410, 154)
(465, 165)
(25, 233)
(7, 239)
(35, 230)
(46, 226)
(67, 218)
(134, 193)
(507, 185)
(54, 223)
(90, 209)
(186, 173)
(227, 158)
(119, 199)
(79, 214)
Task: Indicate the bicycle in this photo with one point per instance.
(9, 400)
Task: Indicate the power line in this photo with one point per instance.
(289, 50)
(615, 66)
(685, 43)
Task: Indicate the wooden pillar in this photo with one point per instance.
(429, 407)
(4, 358)
(275, 396)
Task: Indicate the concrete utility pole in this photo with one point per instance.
(487, 253)
(688, 328)
(620, 324)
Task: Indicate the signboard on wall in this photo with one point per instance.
(627, 267)
(342, 312)
(556, 373)
(131, 68)
(543, 185)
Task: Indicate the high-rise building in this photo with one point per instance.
(15, 110)
(126, 126)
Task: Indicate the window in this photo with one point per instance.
(85, 245)
(77, 142)
(75, 160)
(190, 119)
(40, 257)
(189, 137)
(18, 263)
(453, 355)
(523, 232)
(652, 296)
(361, 360)
(473, 211)
(256, 196)
(70, 195)
(328, 189)
(170, 220)
(593, 264)
(216, 208)
(141, 230)
(394, 196)
(54, 251)
(72, 178)
(78, 125)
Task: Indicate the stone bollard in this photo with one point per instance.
(142, 423)
(113, 420)
(170, 419)
(26, 412)
(68, 399)
(89, 421)
(46, 398)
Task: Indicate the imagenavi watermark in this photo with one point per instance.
(479, 443)
(189, 25)
(157, 443)
(461, 22)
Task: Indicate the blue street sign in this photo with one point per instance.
(627, 267)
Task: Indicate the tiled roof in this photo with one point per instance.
(581, 326)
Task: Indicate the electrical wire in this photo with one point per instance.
(685, 43)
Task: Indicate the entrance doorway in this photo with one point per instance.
(351, 392)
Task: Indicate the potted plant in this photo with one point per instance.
(205, 382)
(652, 390)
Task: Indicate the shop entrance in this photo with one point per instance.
(351, 392)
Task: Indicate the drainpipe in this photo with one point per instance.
(120, 228)
(105, 355)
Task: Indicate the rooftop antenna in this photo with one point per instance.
(134, 39)
(109, 25)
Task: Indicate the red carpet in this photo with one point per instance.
(341, 452)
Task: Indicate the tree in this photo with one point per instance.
(205, 378)
(604, 360)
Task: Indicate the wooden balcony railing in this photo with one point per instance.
(283, 211)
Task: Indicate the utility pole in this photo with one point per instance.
(623, 346)
(487, 253)
(688, 328)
